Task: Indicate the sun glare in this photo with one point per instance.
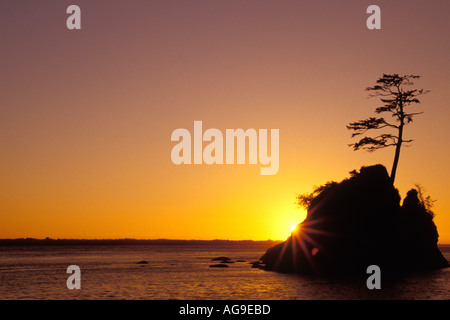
(293, 227)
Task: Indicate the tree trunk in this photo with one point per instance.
(397, 153)
(400, 139)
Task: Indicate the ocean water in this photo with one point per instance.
(183, 272)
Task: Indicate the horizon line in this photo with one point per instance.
(154, 239)
(131, 239)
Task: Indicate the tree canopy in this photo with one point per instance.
(396, 98)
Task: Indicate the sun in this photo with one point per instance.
(293, 227)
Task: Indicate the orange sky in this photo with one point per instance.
(86, 115)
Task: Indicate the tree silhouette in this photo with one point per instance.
(395, 98)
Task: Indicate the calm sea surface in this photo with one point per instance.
(183, 272)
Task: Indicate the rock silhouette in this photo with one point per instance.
(220, 258)
(356, 223)
(218, 266)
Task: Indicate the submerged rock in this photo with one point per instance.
(219, 266)
(220, 258)
(257, 264)
(356, 223)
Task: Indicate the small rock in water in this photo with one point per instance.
(220, 258)
(226, 261)
(218, 266)
(142, 262)
(256, 264)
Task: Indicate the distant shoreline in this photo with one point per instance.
(124, 242)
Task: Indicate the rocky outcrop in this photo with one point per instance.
(356, 223)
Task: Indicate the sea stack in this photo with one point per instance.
(357, 223)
